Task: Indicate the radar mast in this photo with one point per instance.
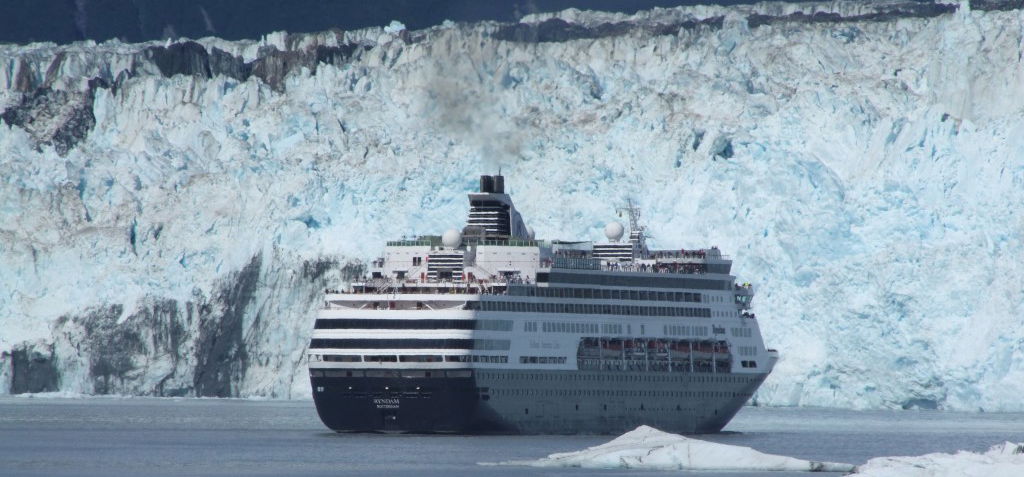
(637, 232)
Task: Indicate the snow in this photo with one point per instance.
(1002, 460)
(648, 448)
(873, 194)
(394, 27)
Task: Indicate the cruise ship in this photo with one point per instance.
(489, 330)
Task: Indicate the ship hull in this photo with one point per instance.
(528, 401)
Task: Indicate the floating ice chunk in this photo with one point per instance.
(648, 448)
(1003, 460)
(395, 27)
(70, 395)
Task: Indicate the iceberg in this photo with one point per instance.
(648, 448)
(1002, 460)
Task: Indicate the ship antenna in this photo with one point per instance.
(637, 232)
(634, 215)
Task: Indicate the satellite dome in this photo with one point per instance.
(529, 232)
(451, 238)
(614, 231)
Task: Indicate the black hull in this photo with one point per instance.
(527, 402)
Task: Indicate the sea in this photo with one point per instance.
(103, 436)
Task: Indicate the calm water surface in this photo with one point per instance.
(144, 436)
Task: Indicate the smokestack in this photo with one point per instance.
(499, 184)
(486, 184)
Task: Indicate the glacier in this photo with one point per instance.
(170, 211)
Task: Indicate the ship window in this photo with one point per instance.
(342, 358)
(380, 358)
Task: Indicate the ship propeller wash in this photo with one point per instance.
(491, 330)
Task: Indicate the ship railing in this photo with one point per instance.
(386, 286)
(679, 268)
(673, 268)
(691, 255)
(381, 285)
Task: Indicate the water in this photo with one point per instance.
(144, 436)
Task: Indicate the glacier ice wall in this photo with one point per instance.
(169, 213)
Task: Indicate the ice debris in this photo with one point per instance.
(648, 448)
(1002, 460)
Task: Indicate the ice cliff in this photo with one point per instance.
(171, 211)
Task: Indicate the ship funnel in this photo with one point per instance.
(499, 184)
(486, 184)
